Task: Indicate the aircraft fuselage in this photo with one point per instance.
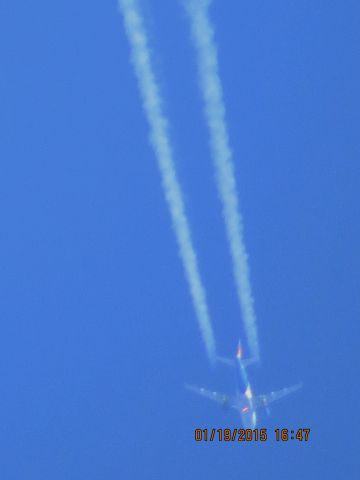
(244, 392)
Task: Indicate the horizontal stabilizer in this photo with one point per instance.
(226, 361)
(231, 363)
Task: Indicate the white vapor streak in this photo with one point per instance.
(211, 88)
(159, 137)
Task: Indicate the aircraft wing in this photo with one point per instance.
(220, 398)
(264, 400)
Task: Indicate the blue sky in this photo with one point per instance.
(98, 332)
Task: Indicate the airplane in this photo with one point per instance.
(243, 401)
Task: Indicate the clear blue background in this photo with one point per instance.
(98, 333)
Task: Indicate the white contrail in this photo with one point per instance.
(159, 137)
(214, 107)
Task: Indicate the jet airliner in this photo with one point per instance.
(243, 401)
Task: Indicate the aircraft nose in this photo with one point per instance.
(249, 419)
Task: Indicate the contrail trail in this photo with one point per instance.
(210, 83)
(159, 137)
